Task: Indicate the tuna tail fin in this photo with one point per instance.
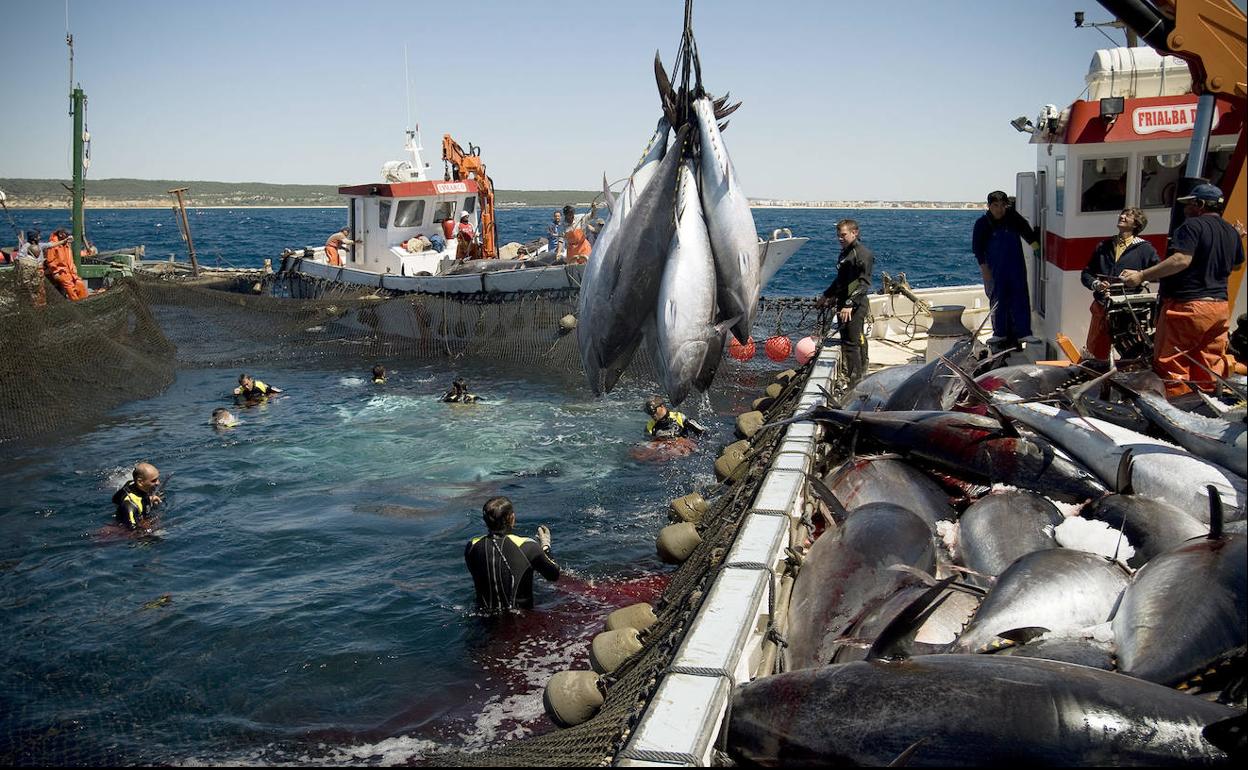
(894, 642)
(1216, 513)
(973, 387)
(1075, 394)
(1122, 480)
(829, 498)
(667, 94)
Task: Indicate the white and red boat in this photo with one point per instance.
(383, 217)
(1126, 144)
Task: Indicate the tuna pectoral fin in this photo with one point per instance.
(903, 759)
(611, 372)
(829, 498)
(974, 388)
(1023, 635)
(895, 641)
(606, 193)
(714, 354)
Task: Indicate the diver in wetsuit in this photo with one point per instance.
(665, 423)
(136, 499)
(502, 563)
(458, 394)
(250, 389)
(379, 375)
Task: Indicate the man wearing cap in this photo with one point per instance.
(995, 242)
(465, 234)
(1192, 330)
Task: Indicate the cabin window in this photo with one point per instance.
(1159, 178)
(1059, 185)
(446, 210)
(470, 204)
(1103, 185)
(409, 214)
(383, 215)
(1216, 164)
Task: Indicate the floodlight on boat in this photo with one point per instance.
(1112, 107)
(1023, 125)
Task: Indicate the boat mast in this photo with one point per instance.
(77, 106)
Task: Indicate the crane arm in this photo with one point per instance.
(464, 165)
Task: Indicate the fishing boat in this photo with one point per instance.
(406, 207)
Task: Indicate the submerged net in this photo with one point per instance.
(66, 365)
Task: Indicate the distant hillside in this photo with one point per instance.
(133, 193)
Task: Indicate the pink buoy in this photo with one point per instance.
(778, 348)
(806, 350)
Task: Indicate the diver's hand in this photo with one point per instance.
(157, 499)
(543, 536)
(845, 314)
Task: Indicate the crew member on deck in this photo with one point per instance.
(1195, 318)
(250, 389)
(1125, 251)
(848, 294)
(458, 394)
(465, 235)
(336, 243)
(554, 234)
(665, 423)
(58, 266)
(995, 242)
(574, 238)
(136, 499)
(502, 563)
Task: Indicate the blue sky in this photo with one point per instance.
(842, 100)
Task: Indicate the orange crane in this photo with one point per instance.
(459, 165)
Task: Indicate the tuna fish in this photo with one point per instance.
(934, 386)
(685, 315)
(959, 710)
(1058, 590)
(1185, 609)
(623, 290)
(1001, 527)
(1031, 380)
(887, 480)
(734, 238)
(1158, 470)
(1214, 439)
(975, 447)
(848, 572)
(593, 301)
(873, 391)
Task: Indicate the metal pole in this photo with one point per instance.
(186, 229)
(1205, 109)
(80, 191)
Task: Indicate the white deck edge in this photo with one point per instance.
(723, 646)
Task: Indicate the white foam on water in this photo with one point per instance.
(1094, 537)
(352, 382)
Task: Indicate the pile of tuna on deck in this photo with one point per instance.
(1036, 565)
(678, 263)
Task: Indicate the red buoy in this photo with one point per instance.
(778, 348)
(741, 352)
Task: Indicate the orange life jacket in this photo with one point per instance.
(59, 259)
(577, 244)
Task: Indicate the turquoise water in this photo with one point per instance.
(304, 597)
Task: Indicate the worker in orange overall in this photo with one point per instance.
(577, 244)
(58, 266)
(336, 243)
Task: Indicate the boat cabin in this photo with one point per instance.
(383, 217)
(1125, 145)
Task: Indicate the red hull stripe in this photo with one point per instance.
(1075, 253)
(410, 189)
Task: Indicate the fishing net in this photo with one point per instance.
(66, 365)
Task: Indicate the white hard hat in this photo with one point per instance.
(463, 214)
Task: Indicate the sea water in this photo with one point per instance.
(303, 597)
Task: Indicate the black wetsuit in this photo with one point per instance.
(133, 505)
(502, 568)
(451, 397)
(849, 291)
